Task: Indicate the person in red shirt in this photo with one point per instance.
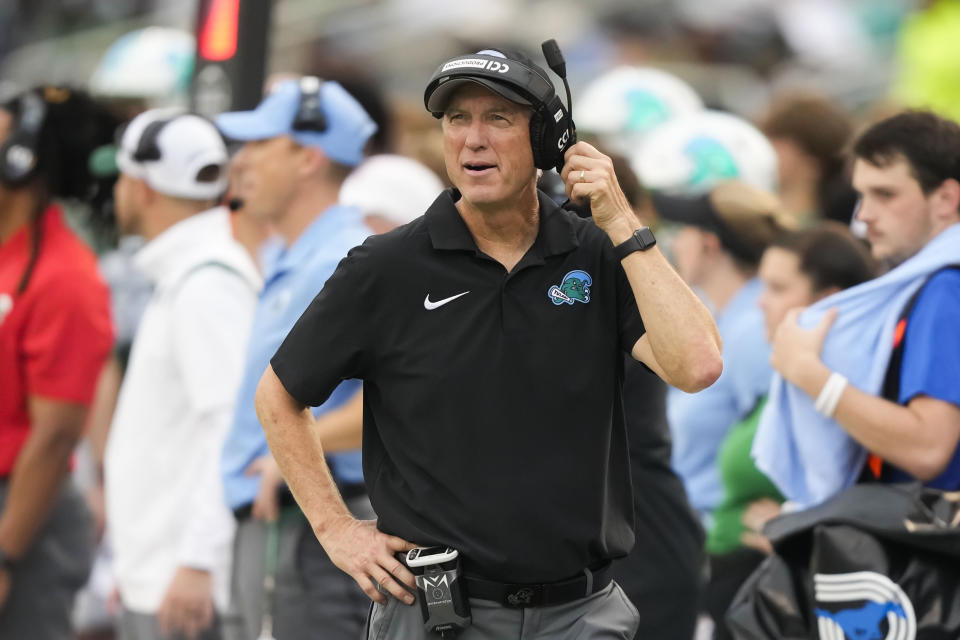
(55, 334)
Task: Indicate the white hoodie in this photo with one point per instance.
(165, 506)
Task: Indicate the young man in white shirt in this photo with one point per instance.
(172, 533)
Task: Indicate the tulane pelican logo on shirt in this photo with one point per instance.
(575, 287)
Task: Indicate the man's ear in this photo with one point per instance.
(947, 199)
(711, 243)
(313, 161)
(143, 195)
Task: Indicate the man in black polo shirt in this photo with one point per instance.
(489, 335)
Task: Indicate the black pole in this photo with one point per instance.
(232, 39)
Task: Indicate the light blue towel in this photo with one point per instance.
(808, 456)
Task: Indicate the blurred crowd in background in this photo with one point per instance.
(730, 124)
(738, 54)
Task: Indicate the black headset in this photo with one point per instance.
(309, 115)
(147, 146)
(18, 153)
(552, 130)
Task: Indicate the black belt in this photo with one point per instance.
(520, 596)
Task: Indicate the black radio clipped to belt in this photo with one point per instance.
(443, 600)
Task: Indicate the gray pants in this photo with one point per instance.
(46, 579)
(313, 599)
(607, 615)
(144, 626)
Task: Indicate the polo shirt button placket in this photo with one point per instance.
(503, 300)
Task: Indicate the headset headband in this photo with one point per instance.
(33, 108)
(148, 145)
(310, 116)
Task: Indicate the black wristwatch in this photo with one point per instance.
(641, 240)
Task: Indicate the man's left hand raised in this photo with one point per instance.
(589, 175)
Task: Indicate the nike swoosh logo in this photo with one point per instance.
(430, 305)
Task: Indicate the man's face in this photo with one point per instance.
(794, 165)
(690, 249)
(6, 123)
(265, 174)
(899, 217)
(486, 146)
(785, 286)
(128, 207)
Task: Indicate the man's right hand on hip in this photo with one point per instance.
(359, 549)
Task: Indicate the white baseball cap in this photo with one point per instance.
(397, 188)
(172, 151)
(692, 153)
(343, 137)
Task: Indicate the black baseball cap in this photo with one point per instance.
(746, 219)
(438, 94)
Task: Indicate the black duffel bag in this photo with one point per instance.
(877, 562)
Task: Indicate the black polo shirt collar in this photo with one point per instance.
(448, 231)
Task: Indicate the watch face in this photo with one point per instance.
(645, 236)
(641, 240)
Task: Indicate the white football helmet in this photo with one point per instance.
(690, 154)
(622, 106)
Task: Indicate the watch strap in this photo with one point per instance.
(641, 240)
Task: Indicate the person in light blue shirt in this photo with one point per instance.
(700, 421)
(292, 277)
(717, 252)
(299, 144)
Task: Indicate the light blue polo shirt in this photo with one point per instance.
(699, 421)
(293, 277)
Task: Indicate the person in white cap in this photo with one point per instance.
(172, 533)
(390, 190)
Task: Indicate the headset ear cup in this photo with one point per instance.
(565, 137)
(541, 155)
(554, 135)
(17, 160)
(18, 153)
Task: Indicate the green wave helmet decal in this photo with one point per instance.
(712, 162)
(575, 287)
(644, 110)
